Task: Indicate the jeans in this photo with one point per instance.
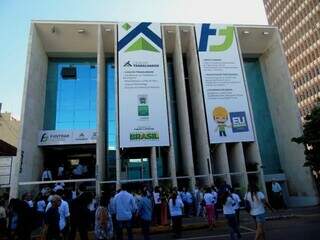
(124, 224)
(145, 225)
(176, 225)
(234, 229)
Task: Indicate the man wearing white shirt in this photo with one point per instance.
(237, 200)
(64, 215)
(46, 175)
(277, 196)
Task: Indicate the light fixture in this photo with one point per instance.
(265, 33)
(185, 30)
(169, 31)
(246, 32)
(81, 31)
(107, 29)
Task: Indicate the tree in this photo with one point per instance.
(311, 140)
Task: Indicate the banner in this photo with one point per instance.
(143, 116)
(226, 103)
(69, 137)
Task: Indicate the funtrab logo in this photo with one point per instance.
(239, 122)
(206, 31)
(145, 42)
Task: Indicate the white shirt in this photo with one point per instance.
(60, 171)
(208, 198)
(41, 206)
(2, 213)
(156, 197)
(276, 187)
(257, 205)
(46, 174)
(228, 207)
(92, 205)
(57, 187)
(237, 200)
(78, 170)
(176, 210)
(63, 211)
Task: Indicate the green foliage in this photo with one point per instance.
(311, 139)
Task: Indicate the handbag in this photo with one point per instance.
(247, 204)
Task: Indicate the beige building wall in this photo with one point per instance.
(9, 128)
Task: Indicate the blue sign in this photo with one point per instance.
(239, 122)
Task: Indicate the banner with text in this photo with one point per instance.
(142, 95)
(67, 137)
(227, 109)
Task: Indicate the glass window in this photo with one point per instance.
(71, 94)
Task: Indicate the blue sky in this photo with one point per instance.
(15, 17)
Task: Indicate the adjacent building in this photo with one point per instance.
(161, 104)
(299, 26)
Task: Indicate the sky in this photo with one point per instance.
(16, 15)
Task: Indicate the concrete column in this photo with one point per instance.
(29, 155)
(182, 108)
(101, 114)
(171, 155)
(197, 105)
(118, 157)
(154, 173)
(221, 165)
(252, 155)
(14, 178)
(237, 164)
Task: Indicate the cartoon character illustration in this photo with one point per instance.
(220, 115)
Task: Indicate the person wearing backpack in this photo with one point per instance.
(255, 203)
(228, 206)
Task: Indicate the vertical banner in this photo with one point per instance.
(142, 97)
(227, 109)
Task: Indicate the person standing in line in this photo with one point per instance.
(103, 229)
(257, 202)
(61, 174)
(52, 218)
(175, 207)
(80, 216)
(157, 205)
(3, 218)
(198, 193)
(277, 196)
(64, 214)
(126, 208)
(215, 197)
(112, 211)
(208, 199)
(164, 207)
(237, 200)
(229, 212)
(145, 213)
(46, 175)
(40, 209)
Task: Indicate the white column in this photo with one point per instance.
(237, 164)
(182, 108)
(118, 157)
(221, 165)
(171, 155)
(252, 155)
(101, 114)
(154, 173)
(202, 165)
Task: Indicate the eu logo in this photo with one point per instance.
(239, 122)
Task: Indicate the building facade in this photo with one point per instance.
(299, 27)
(96, 92)
(9, 128)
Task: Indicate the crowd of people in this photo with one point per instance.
(59, 213)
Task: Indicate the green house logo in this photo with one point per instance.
(146, 42)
